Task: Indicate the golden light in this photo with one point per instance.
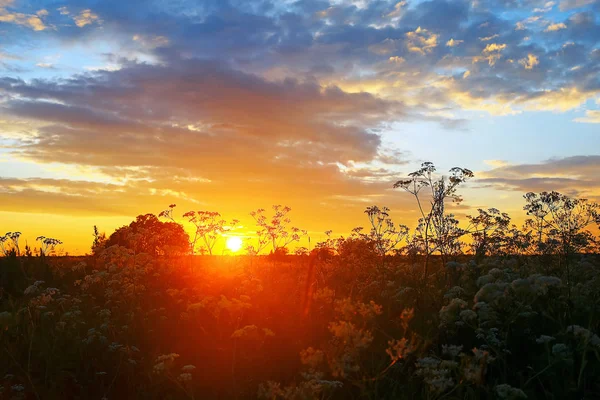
(234, 243)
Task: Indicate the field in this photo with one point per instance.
(489, 311)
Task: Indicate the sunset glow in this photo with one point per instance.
(234, 244)
(110, 110)
(300, 199)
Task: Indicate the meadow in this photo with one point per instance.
(473, 309)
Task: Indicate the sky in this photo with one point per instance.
(110, 109)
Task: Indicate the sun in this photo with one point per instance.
(234, 243)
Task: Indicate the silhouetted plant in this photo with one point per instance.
(384, 232)
(208, 227)
(99, 240)
(437, 231)
(47, 244)
(559, 222)
(274, 231)
(135, 324)
(147, 234)
(488, 230)
(10, 243)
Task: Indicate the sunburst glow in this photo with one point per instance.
(234, 243)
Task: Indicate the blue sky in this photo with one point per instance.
(109, 108)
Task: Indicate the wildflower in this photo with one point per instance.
(548, 281)
(485, 313)
(185, 377)
(433, 373)
(544, 339)
(508, 392)
(158, 368)
(30, 290)
(451, 350)
(329, 384)
(585, 334)
(398, 349)
(455, 292)
(561, 350)
(449, 313)
(350, 334)
(5, 319)
(468, 315)
(248, 331)
(114, 347)
(427, 362)
(490, 292)
(270, 390)
(311, 357)
(484, 280)
(163, 362)
(17, 388)
(188, 368)
(453, 265)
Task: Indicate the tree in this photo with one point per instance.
(147, 234)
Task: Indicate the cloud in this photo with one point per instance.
(530, 62)
(421, 41)
(574, 175)
(386, 47)
(397, 60)
(555, 27)
(206, 119)
(32, 21)
(493, 47)
(86, 17)
(566, 5)
(454, 43)
(258, 95)
(563, 99)
(548, 6)
(591, 117)
(151, 42)
(488, 38)
(398, 10)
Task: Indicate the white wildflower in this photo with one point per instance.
(17, 388)
(31, 290)
(185, 377)
(451, 350)
(490, 292)
(508, 392)
(455, 292)
(561, 350)
(468, 315)
(544, 339)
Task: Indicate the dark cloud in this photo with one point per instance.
(575, 175)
